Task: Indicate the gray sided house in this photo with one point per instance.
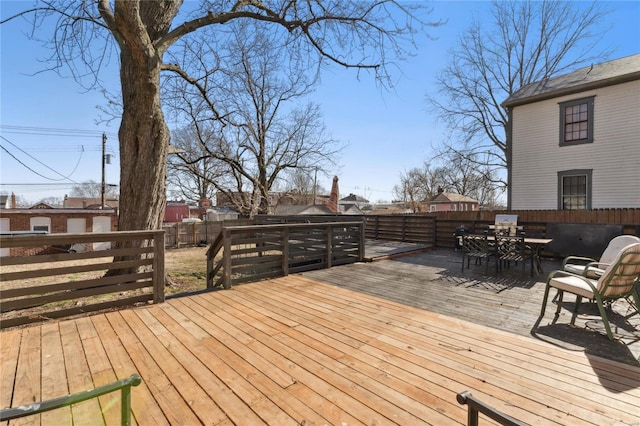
(576, 139)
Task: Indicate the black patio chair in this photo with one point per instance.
(476, 246)
(511, 249)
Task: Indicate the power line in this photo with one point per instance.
(27, 167)
(51, 131)
(32, 157)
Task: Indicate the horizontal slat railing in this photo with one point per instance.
(249, 253)
(44, 286)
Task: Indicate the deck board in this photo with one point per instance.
(294, 349)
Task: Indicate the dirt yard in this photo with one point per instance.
(187, 269)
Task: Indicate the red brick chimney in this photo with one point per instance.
(333, 198)
(13, 200)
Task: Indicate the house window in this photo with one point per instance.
(576, 121)
(574, 190)
(433, 208)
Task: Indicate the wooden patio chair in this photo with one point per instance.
(476, 246)
(619, 280)
(594, 268)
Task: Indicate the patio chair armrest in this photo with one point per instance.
(595, 269)
(576, 259)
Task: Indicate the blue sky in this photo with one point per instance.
(385, 132)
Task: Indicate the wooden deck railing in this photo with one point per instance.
(249, 253)
(129, 270)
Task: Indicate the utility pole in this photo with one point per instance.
(104, 159)
(315, 185)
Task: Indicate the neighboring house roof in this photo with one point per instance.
(592, 77)
(40, 206)
(88, 203)
(451, 197)
(352, 209)
(354, 198)
(289, 210)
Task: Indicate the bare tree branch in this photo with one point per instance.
(527, 41)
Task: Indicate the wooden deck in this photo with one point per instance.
(297, 351)
(509, 301)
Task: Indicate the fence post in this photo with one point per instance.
(284, 235)
(435, 231)
(361, 242)
(209, 268)
(329, 236)
(158, 267)
(404, 227)
(177, 234)
(226, 274)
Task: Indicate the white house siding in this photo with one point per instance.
(614, 155)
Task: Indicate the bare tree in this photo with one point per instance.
(526, 41)
(53, 201)
(93, 189)
(454, 174)
(249, 95)
(191, 175)
(416, 186)
(363, 35)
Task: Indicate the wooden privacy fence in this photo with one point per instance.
(197, 233)
(248, 253)
(410, 228)
(55, 285)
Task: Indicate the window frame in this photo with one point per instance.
(588, 173)
(40, 222)
(590, 107)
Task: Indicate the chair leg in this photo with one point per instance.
(544, 300)
(636, 305)
(559, 302)
(575, 309)
(605, 320)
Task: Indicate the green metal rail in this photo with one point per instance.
(476, 406)
(40, 407)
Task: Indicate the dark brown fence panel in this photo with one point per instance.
(46, 286)
(408, 228)
(535, 222)
(186, 234)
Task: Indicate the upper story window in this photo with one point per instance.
(576, 121)
(574, 190)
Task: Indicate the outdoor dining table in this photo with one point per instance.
(536, 245)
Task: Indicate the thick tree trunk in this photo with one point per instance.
(144, 141)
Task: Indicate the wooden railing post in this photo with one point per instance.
(285, 251)
(226, 258)
(158, 267)
(328, 237)
(209, 269)
(361, 241)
